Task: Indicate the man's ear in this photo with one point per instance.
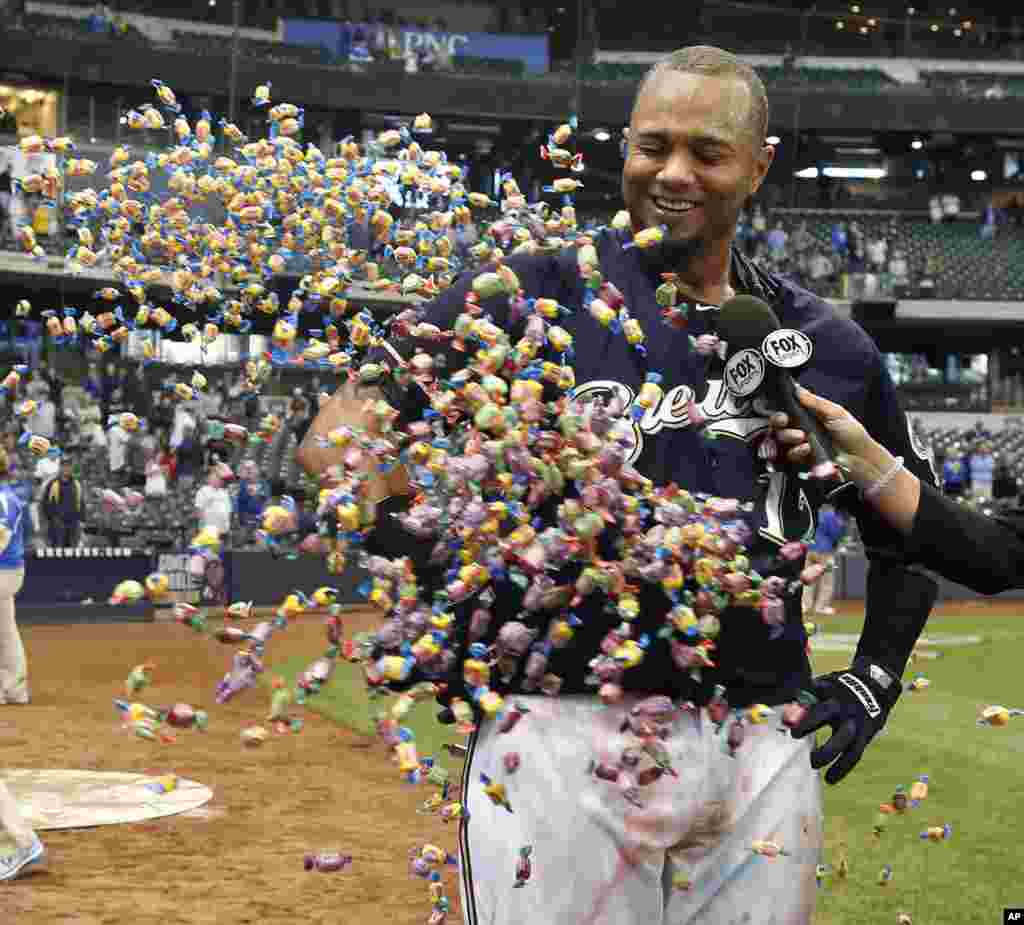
(762, 162)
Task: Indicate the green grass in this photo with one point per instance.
(976, 781)
(345, 700)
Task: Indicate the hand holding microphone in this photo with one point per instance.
(759, 356)
(860, 455)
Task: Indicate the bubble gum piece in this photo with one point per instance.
(254, 736)
(127, 592)
(495, 792)
(524, 867)
(767, 848)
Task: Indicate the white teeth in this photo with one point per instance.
(674, 205)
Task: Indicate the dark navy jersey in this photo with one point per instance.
(845, 366)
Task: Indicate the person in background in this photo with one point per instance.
(840, 240)
(13, 513)
(29, 849)
(156, 476)
(982, 471)
(899, 270)
(93, 436)
(827, 536)
(954, 475)
(167, 459)
(776, 240)
(46, 468)
(43, 420)
(162, 415)
(61, 506)
(299, 415)
(117, 453)
(183, 440)
(1004, 485)
(55, 383)
(213, 505)
(253, 493)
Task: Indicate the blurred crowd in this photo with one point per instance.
(154, 477)
(972, 469)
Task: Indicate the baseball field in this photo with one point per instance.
(333, 787)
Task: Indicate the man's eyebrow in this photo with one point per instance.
(703, 138)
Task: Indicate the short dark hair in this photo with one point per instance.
(709, 61)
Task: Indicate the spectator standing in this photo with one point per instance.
(759, 224)
(840, 240)
(801, 240)
(827, 536)
(777, 239)
(61, 506)
(988, 225)
(45, 469)
(821, 272)
(253, 493)
(44, 419)
(162, 415)
(117, 453)
(213, 505)
(856, 261)
(899, 270)
(299, 415)
(1004, 485)
(950, 207)
(954, 475)
(878, 253)
(982, 471)
(156, 477)
(93, 435)
(167, 460)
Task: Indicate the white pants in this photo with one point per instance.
(599, 860)
(818, 596)
(12, 667)
(13, 664)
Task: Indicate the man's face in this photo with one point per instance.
(691, 161)
(66, 472)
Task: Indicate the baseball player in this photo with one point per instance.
(736, 835)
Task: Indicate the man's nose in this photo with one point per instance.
(678, 170)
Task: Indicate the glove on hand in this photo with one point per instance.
(855, 704)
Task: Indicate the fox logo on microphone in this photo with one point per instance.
(787, 348)
(744, 372)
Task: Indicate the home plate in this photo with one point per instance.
(64, 799)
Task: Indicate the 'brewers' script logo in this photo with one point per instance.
(788, 514)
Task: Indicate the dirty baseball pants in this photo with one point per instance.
(684, 858)
(13, 665)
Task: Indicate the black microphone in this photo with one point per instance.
(759, 356)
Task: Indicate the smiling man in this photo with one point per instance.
(681, 849)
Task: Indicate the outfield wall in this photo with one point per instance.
(851, 583)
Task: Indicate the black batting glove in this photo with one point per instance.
(855, 704)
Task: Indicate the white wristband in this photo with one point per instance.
(875, 488)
